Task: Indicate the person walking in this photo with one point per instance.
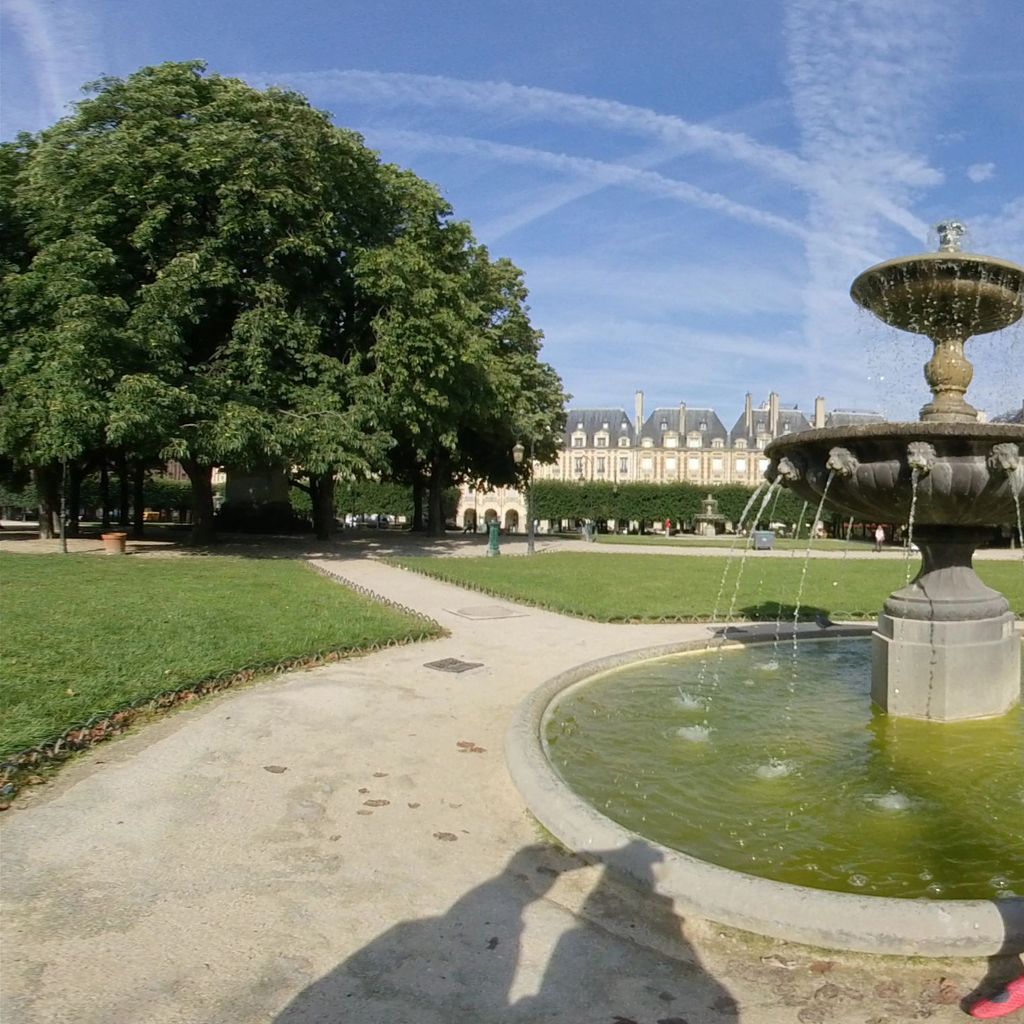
(879, 537)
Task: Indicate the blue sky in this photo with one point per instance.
(689, 187)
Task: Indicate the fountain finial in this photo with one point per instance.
(950, 233)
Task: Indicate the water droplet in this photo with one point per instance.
(858, 881)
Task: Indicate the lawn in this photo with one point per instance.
(649, 588)
(83, 634)
(727, 542)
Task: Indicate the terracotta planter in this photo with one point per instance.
(113, 543)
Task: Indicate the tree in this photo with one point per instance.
(455, 356)
(219, 206)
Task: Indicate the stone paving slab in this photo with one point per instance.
(345, 844)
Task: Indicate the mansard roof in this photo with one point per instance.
(699, 419)
(791, 421)
(593, 422)
(852, 418)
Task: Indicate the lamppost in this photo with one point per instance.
(518, 451)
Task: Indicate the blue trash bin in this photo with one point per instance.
(764, 540)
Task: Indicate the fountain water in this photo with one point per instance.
(906, 779)
(946, 646)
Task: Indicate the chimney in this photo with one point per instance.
(773, 414)
(682, 422)
(819, 412)
(748, 415)
(639, 400)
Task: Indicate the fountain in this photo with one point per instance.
(763, 826)
(946, 646)
(709, 520)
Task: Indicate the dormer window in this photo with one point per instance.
(693, 440)
(648, 442)
(717, 442)
(623, 442)
(741, 442)
(604, 426)
(579, 426)
(578, 440)
(703, 425)
(625, 425)
(664, 424)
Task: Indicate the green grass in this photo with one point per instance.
(649, 588)
(728, 542)
(83, 634)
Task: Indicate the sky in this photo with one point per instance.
(690, 186)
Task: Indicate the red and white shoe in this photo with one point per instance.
(1005, 1002)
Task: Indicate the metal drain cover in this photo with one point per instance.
(486, 611)
(452, 665)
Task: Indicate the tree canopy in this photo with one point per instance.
(199, 270)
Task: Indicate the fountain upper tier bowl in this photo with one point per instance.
(943, 293)
(967, 474)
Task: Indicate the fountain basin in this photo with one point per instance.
(836, 920)
(969, 475)
(933, 293)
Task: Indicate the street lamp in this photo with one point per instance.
(518, 451)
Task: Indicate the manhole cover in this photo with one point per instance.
(452, 665)
(486, 611)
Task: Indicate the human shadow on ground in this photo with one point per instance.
(472, 965)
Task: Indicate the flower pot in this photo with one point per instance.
(113, 543)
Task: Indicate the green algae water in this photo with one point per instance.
(784, 769)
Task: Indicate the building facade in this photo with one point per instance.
(683, 443)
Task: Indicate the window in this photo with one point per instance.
(601, 441)
(740, 442)
(717, 443)
(623, 442)
(623, 465)
(693, 465)
(664, 424)
(763, 465)
(741, 465)
(648, 442)
(600, 465)
(577, 467)
(577, 441)
(647, 463)
(693, 440)
(703, 425)
(670, 464)
(671, 441)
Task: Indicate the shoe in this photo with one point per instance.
(1005, 1002)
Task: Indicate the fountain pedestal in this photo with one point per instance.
(946, 647)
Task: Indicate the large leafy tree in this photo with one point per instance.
(223, 210)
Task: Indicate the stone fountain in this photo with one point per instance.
(946, 646)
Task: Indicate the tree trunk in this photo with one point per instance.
(417, 500)
(321, 491)
(139, 499)
(47, 484)
(74, 499)
(123, 513)
(203, 524)
(435, 512)
(104, 493)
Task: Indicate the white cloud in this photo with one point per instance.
(981, 172)
(60, 42)
(594, 171)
